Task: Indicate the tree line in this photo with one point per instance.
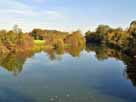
(121, 39)
(17, 40)
(13, 40)
(124, 40)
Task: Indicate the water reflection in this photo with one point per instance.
(103, 52)
(13, 62)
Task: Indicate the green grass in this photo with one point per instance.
(39, 42)
(40, 45)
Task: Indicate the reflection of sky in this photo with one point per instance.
(83, 77)
(66, 14)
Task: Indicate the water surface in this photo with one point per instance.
(95, 74)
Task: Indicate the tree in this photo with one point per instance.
(132, 28)
(16, 29)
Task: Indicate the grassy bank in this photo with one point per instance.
(39, 42)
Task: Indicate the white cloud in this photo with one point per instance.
(14, 12)
(15, 7)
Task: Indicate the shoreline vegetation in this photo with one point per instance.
(16, 40)
(123, 40)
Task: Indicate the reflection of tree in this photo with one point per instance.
(131, 70)
(13, 62)
(103, 52)
(74, 51)
(53, 55)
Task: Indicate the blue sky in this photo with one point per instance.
(68, 15)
